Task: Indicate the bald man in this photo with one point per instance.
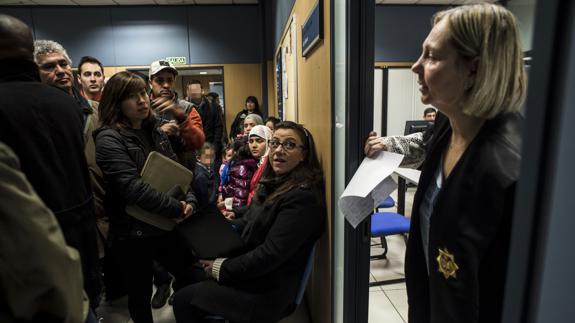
(16, 40)
(44, 127)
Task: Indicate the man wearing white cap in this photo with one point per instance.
(165, 102)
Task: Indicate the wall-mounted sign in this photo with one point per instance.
(312, 29)
(177, 60)
(279, 85)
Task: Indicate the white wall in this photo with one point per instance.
(524, 10)
(377, 99)
(403, 100)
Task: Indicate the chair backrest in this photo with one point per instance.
(305, 277)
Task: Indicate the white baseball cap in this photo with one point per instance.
(157, 66)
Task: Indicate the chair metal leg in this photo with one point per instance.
(383, 244)
(383, 256)
(387, 282)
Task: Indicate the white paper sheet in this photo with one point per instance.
(370, 185)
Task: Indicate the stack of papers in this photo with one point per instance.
(370, 185)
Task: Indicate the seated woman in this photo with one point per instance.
(251, 121)
(259, 145)
(129, 132)
(279, 229)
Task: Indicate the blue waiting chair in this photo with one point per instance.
(385, 224)
(305, 278)
(387, 203)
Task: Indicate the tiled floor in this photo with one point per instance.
(117, 312)
(388, 303)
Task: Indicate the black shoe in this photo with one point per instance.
(161, 296)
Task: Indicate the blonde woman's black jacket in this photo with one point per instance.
(121, 155)
(471, 222)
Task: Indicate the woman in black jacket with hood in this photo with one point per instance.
(252, 106)
(129, 132)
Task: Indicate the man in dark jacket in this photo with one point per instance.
(165, 102)
(44, 127)
(211, 119)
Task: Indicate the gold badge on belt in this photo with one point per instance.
(446, 262)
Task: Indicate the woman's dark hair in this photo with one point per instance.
(254, 100)
(273, 120)
(118, 88)
(308, 172)
(241, 150)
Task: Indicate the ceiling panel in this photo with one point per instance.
(214, 1)
(435, 1)
(95, 2)
(398, 1)
(16, 2)
(477, 1)
(135, 2)
(54, 2)
(175, 2)
(121, 2)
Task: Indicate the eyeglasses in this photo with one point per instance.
(49, 67)
(286, 145)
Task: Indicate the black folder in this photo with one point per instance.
(209, 235)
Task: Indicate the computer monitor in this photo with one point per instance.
(413, 126)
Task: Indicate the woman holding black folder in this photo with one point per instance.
(129, 132)
(279, 229)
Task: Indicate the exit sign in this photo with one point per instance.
(177, 60)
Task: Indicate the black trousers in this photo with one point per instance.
(136, 258)
(81, 235)
(200, 301)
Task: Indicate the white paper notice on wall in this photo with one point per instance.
(370, 185)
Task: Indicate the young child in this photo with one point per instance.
(205, 183)
(236, 181)
(227, 156)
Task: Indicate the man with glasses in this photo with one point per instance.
(56, 69)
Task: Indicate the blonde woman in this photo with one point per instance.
(471, 69)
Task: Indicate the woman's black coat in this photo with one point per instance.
(238, 123)
(471, 220)
(121, 155)
(261, 284)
